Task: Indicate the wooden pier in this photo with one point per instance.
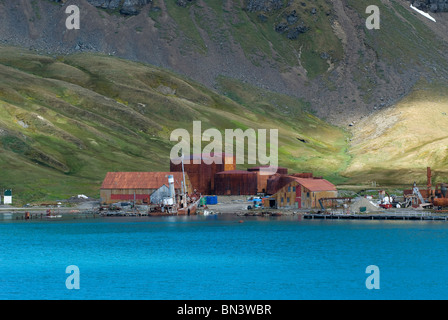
(377, 216)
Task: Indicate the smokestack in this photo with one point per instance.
(171, 186)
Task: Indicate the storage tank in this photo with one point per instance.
(168, 201)
(171, 186)
(440, 202)
(212, 200)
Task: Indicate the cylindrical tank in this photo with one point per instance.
(440, 202)
(171, 184)
(168, 201)
(212, 200)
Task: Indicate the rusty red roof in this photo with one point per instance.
(316, 184)
(140, 180)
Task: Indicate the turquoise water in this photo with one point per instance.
(219, 258)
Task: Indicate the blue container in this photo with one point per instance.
(212, 199)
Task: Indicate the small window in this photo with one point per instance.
(289, 189)
(287, 200)
(293, 189)
(308, 194)
(282, 200)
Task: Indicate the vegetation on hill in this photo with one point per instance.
(66, 121)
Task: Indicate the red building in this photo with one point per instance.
(127, 186)
(202, 173)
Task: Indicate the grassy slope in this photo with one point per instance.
(397, 144)
(258, 38)
(66, 121)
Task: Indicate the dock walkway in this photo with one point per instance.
(378, 216)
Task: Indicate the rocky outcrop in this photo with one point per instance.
(184, 3)
(431, 5)
(126, 7)
(263, 5)
(292, 26)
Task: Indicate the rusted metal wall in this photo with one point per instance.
(276, 182)
(262, 179)
(236, 182)
(109, 196)
(202, 176)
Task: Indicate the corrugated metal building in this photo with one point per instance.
(202, 175)
(161, 193)
(303, 193)
(122, 186)
(279, 180)
(236, 182)
(262, 179)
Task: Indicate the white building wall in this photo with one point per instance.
(7, 200)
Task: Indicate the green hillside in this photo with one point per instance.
(290, 34)
(66, 121)
(396, 145)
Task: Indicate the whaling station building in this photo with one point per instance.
(284, 190)
(202, 174)
(297, 191)
(143, 187)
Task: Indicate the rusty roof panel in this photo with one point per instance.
(140, 180)
(278, 181)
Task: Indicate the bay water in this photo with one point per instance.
(223, 258)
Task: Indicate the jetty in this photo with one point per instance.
(377, 216)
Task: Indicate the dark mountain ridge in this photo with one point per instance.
(316, 50)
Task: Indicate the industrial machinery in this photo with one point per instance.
(437, 197)
(385, 202)
(440, 198)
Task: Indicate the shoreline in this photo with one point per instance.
(233, 207)
(74, 214)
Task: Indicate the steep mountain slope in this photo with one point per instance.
(316, 50)
(396, 145)
(66, 121)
